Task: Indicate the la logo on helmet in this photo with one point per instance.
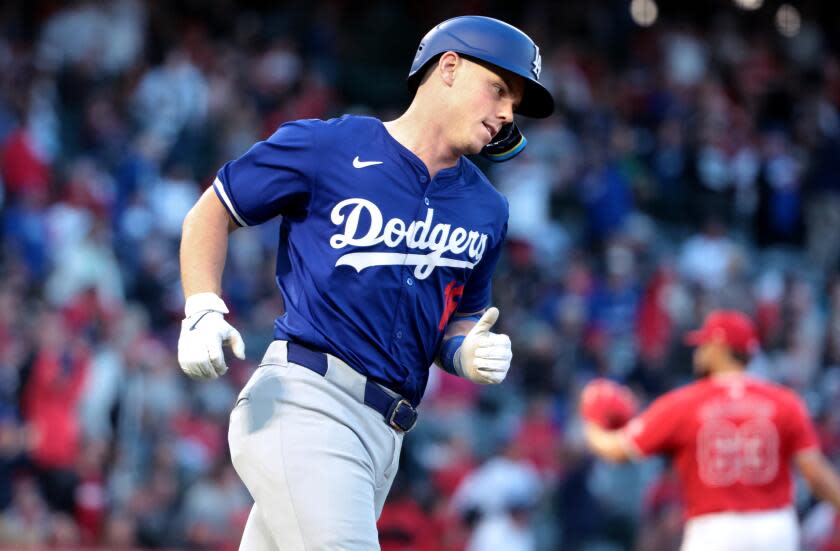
(536, 68)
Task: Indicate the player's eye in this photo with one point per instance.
(499, 90)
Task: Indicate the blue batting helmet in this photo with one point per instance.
(494, 42)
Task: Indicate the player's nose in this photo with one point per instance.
(506, 111)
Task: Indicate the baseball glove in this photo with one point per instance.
(607, 404)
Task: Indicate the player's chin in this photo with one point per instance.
(474, 149)
(477, 145)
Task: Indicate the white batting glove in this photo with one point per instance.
(203, 332)
(484, 357)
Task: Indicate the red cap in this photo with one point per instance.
(735, 329)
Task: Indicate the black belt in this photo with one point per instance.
(397, 411)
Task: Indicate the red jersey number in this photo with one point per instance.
(449, 304)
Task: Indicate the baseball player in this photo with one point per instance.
(732, 439)
(387, 246)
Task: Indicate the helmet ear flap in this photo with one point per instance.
(506, 145)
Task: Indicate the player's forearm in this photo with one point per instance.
(829, 490)
(821, 477)
(204, 240)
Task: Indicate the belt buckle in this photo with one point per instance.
(400, 424)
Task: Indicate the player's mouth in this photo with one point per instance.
(490, 130)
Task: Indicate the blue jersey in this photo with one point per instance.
(374, 257)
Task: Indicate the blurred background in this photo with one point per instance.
(694, 163)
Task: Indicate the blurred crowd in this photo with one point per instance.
(694, 164)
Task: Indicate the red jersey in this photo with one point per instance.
(732, 440)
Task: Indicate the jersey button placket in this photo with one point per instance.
(408, 269)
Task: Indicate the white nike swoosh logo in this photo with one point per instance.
(362, 164)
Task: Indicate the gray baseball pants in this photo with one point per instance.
(317, 461)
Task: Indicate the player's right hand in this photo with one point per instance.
(203, 332)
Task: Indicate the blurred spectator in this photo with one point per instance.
(661, 528)
(27, 521)
(211, 505)
(120, 532)
(102, 38)
(404, 525)
(605, 193)
(823, 201)
(832, 343)
(821, 529)
(538, 438)
(710, 258)
(670, 166)
(88, 262)
(779, 216)
(15, 441)
(613, 309)
(50, 399)
(527, 186)
(24, 169)
(171, 99)
(803, 331)
(64, 532)
(26, 234)
(498, 497)
(505, 530)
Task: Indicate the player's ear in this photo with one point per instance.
(448, 65)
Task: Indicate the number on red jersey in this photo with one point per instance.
(728, 453)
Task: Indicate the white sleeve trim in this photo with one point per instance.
(220, 188)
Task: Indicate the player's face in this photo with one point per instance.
(487, 99)
(703, 359)
(706, 357)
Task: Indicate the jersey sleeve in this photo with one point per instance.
(655, 430)
(479, 286)
(802, 432)
(274, 177)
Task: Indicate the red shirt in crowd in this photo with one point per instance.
(404, 526)
(50, 403)
(732, 440)
(22, 169)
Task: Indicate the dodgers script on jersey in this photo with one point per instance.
(387, 255)
(733, 440)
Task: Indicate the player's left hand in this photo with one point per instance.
(484, 357)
